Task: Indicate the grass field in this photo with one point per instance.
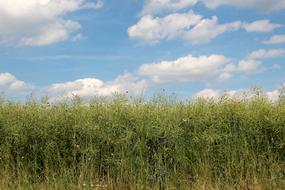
(135, 144)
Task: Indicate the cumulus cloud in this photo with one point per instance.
(6, 78)
(253, 62)
(39, 22)
(188, 69)
(235, 94)
(208, 94)
(260, 5)
(262, 53)
(208, 29)
(157, 6)
(9, 83)
(250, 66)
(190, 27)
(90, 87)
(261, 26)
(202, 68)
(153, 29)
(276, 39)
(50, 34)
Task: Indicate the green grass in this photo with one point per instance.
(157, 144)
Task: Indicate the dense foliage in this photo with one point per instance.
(157, 144)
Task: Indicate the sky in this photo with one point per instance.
(193, 48)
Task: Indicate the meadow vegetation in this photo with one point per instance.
(160, 143)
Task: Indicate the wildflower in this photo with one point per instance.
(84, 184)
(99, 185)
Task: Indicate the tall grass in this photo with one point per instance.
(157, 144)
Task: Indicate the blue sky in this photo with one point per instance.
(62, 48)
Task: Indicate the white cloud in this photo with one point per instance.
(276, 39)
(6, 78)
(18, 85)
(273, 95)
(261, 5)
(153, 30)
(157, 6)
(91, 5)
(262, 53)
(187, 26)
(253, 62)
(261, 26)
(90, 87)
(208, 29)
(188, 69)
(239, 94)
(39, 22)
(50, 34)
(216, 94)
(228, 72)
(9, 83)
(190, 27)
(208, 94)
(250, 66)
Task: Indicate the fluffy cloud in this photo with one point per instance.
(153, 30)
(261, 5)
(157, 6)
(9, 83)
(253, 62)
(89, 87)
(208, 94)
(261, 26)
(6, 78)
(276, 39)
(56, 32)
(262, 53)
(208, 29)
(250, 66)
(188, 68)
(39, 22)
(190, 27)
(235, 94)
